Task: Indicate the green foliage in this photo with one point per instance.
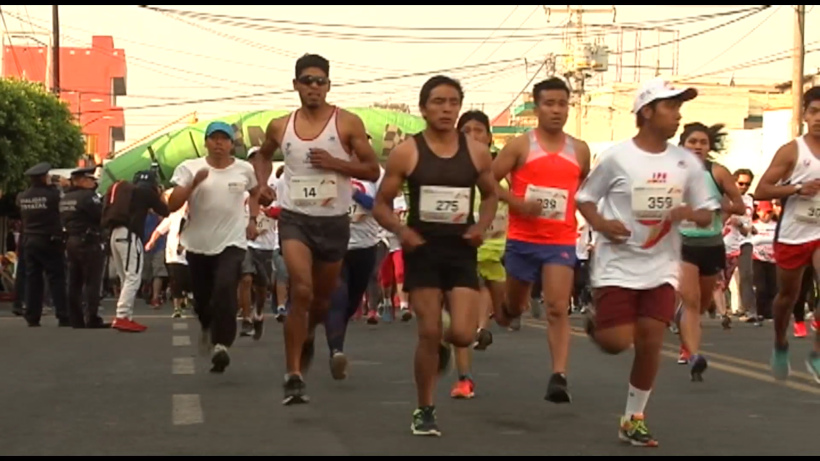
(35, 126)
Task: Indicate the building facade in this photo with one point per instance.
(91, 79)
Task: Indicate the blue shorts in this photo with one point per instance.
(524, 260)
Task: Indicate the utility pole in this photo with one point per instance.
(797, 69)
(55, 49)
(575, 48)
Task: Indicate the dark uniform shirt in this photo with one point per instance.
(142, 200)
(81, 211)
(40, 209)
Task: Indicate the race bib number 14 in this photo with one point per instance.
(318, 190)
(807, 210)
(654, 201)
(442, 204)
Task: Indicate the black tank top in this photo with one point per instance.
(452, 200)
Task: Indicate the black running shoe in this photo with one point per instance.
(220, 359)
(258, 328)
(424, 422)
(295, 391)
(557, 389)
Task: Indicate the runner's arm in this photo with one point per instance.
(502, 167)
(696, 195)
(367, 166)
(584, 157)
(592, 190)
(392, 182)
(263, 160)
(727, 183)
(182, 179)
(487, 185)
(781, 166)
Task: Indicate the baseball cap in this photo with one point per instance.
(218, 126)
(658, 89)
(764, 205)
(252, 151)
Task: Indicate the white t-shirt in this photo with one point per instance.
(734, 239)
(268, 238)
(400, 208)
(364, 230)
(216, 208)
(170, 226)
(638, 188)
(763, 241)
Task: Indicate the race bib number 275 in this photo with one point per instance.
(442, 204)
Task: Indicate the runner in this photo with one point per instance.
(216, 235)
(318, 141)
(640, 186)
(491, 273)
(703, 252)
(442, 167)
(546, 166)
(794, 178)
(357, 269)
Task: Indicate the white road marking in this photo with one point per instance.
(186, 409)
(181, 340)
(180, 326)
(183, 366)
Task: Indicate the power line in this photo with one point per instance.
(741, 39)
(491, 34)
(355, 82)
(13, 51)
(534, 10)
(527, 85)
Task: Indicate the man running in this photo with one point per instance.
(491, 273)
(546, 167)
(442, 168)
(794, 178)
(318, 142)
(644, 187)
(357, 270)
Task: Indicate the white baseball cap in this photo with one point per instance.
(252, 151)
(658, 89)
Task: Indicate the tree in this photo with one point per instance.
(35, 126)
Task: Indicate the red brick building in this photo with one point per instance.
(90, 81)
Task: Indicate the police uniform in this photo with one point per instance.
(81, 214)
(43, 246)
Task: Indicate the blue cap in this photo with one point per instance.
(39, 169)
(218, 126)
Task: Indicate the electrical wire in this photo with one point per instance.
(355, 82)
(523, 89)
(741, 39)
(520, 25)
(491, 34)
(13, 51)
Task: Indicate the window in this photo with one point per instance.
(90, 144)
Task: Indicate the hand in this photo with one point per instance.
(529, 208)
(680, 213)
(614, 231)
(200, 176)
(810, 189)
(266, 195)
(149, 245)
(320, 158)
(250, 231)
(410, 239)
(475, 235)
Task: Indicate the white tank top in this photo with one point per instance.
(800, 222)
(309, 190)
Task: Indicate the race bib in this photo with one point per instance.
(356, 212)
(553, 201)
(807, 209)
(442, 204)
(653, 201)
(314, 190)
(264, 224)
(499, 225)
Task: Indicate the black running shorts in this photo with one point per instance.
(443, 263)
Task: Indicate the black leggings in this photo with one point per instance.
(357, 269)
(806, 295)
(765, 287)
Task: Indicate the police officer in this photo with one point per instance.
(81, 212)
(43, 245)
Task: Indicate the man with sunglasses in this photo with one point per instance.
(318, 142)
(739, 248)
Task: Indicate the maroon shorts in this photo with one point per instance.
(616, 306)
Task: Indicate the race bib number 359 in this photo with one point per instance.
(318, 190)
(441, 204)
(807, 210)
(553, 201)
(654, 201)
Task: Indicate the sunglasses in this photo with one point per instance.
(743, 184)
(310, 80)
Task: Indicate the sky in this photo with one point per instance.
(176, 61)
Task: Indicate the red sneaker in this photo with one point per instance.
(128, 325)
(800, 329)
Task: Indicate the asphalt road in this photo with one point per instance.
(99, 392)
